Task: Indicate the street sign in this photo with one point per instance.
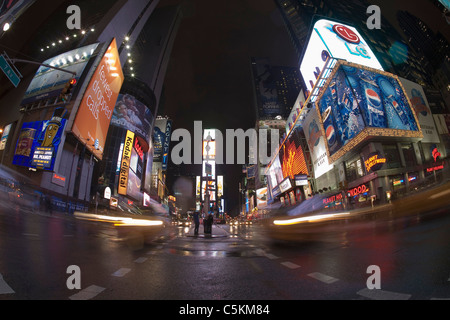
(8, 70)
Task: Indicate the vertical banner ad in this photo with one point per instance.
(96, 108)
(315, 139)
(125, 163)
(420, 105)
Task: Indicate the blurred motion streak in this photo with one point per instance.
(429, 203)
(320, 217)
(118, 221)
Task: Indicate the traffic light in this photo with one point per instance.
(67, 89)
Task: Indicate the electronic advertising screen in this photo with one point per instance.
(48, 82)
(356, 101)
(131, 114)
(315, 138)
(336, 40)
(292, 158)
(38, 143)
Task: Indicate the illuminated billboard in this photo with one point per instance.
(315, 138)
(335, 40)
(210, 187)
(38, 142)
(48, 82)
(359, 102)
(419, 103)
(261, 197)
(96, 108)
(125, 163)
(209, 169)
(131, 114)
(292, 158)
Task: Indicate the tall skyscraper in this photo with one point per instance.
(433, 50)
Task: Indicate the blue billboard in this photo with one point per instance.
(356, 98)
(38, 143)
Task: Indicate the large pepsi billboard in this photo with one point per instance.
(361, 102)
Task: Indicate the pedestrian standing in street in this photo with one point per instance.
(196, 217)
(48, 204)
(210, 223)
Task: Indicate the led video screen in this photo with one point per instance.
(356, 101)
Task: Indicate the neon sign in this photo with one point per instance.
(435, 168)
(358, 190)
(138, 149)
(434, 152)
(374, 162)
(333, 198)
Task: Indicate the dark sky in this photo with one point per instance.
(209, 77)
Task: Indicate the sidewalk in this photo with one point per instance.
(218, 231)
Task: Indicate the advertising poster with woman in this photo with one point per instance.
(131, 114)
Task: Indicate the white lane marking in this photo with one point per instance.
(259, 252)
(437, 195)
(271, 256)
(4, 287)
(378, 294)
(87, 293)
(323, 277)
(121, 272)
(140, 260)
(290, 265)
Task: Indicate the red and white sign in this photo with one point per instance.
(346, 33)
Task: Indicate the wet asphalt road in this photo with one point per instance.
(239, 263)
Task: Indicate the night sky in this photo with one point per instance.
(209, 77)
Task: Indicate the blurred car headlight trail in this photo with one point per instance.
(309, 218)
(118, 221)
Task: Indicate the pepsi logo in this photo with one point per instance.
(331, 135)
(346, 33)
(373, 97)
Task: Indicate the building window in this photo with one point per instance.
(392, 156)
(409, 154)
(354, 169)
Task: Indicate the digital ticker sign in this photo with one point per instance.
(359, 102)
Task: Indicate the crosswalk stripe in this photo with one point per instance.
(378, 294)
(290, 265)
(87, 293)
(322, 277)
(4, 287)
